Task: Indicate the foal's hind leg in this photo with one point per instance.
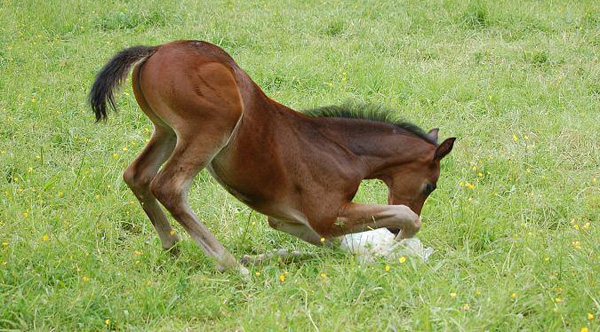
(192, 153)
(140, 174)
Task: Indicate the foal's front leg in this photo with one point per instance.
(297, 229)
(356, 217)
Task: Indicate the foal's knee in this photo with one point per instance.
(137, 181)
(274, 223)
(409, 222)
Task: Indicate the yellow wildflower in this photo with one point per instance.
(558, 300)
(45, 237)
(107, 321)
(466, 306)
(172, 232)
(576, 244)
(594, 180)
(257, 274)
(387, 268)
(4, 244)
(322, 239)
(124, 149)
(115, 155)
(480, 174)
(515, 138)
(590, 315)
(29, 169)
(513, 295)
(584, 329)
(576, 226)
(586, 226)
(137, 252)
(282, 278)
(25, 214)
(324, 275)
(452, 294)
(86, 278)
(402, 259)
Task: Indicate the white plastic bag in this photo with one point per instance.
(381, 243)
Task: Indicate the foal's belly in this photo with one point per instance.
(261, 195)
(245, 190)
(243, 197)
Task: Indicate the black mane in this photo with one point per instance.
(367, 112)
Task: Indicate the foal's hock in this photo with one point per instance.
(301, 170)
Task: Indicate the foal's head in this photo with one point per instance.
(406, 158)
(410, 183)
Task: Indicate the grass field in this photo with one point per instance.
(514, 224)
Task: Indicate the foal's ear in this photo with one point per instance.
(433, 134)
(444, 148)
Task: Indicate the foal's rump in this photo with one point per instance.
(180, 82)
(189, 91)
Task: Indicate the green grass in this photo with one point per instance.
(516, 247)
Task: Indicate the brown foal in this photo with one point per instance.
(301, 171)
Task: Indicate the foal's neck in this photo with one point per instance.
(379, 145)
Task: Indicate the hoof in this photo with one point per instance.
(173, 251)
(245, 260)
(243, 271)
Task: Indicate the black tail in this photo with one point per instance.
(112, 75)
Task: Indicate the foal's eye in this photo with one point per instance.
(429, 188)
